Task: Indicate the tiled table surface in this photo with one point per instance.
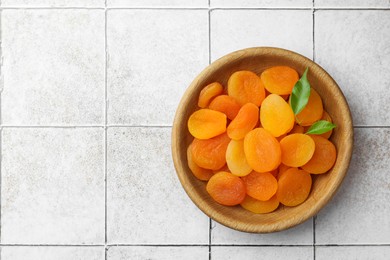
(89, 90)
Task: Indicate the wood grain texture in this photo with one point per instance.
(324, 186)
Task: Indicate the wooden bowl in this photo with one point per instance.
(324, 186)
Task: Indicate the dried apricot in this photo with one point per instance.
(258, 206)
(293, 187)
(210, 153)
(297, 129)
(207, 123)
(260, 185)
(208, 93)
(276, 115)
(262, 150)
(312, 111)
(244, 122)
(279, 79)
(226, 188)
(246, 87)
(297, 149)
(227, 105)
(323, 158)
(200, 173)
(236, 160)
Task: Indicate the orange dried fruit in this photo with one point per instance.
(312, 111)
(297, 149)
(207, 123)
(200, 173)
(244, 122)
(227, 105)
(246, 87)
(294, 187)
(210, 153)
(262, 150)
(258, 206)
(226, 188)
(236, 160)
(323, 158)
(208, 93)
(276, 115)
(279, 79)
(260, 185)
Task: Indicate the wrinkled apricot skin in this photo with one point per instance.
(294, 187)
(206, 123)
(246, 87)
(297, 149)
(312, 111)
(210, 153)
(279, 79)
(245, 121)
(227, 105)
(200, 173)
(276, 115)
(262, 150)
(236, 160)
(258, 206)
(208, 93)
(282, 168)
(260, 185)
(323, 158)
(226, 189)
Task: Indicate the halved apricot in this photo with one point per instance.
(246, 87)
(226, 188)
(206, 123)
(262, 150)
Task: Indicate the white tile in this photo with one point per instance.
(53, 67)
(160, 253)
(352, 3)
(50, 252)
(355, 51)
(149, 69)
(157, 3)
(146, 203)
(261, 3)
(52, 186)
(353, 252)
(299, 235)
(266, 253)
(232, 30)
(359, 213)
(52, 3)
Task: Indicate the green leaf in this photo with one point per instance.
(300, 94)
(320, 127)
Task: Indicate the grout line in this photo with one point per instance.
(84, 126)
(105, 128)
(314, 41)
(189, 245)
(50, 245)
(199, 8)
(352, 245)
(204, 245)
(1, 129)
(1, 183)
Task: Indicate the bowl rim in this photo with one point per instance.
(191, 192)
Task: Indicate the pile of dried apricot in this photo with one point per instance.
(258, 141)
